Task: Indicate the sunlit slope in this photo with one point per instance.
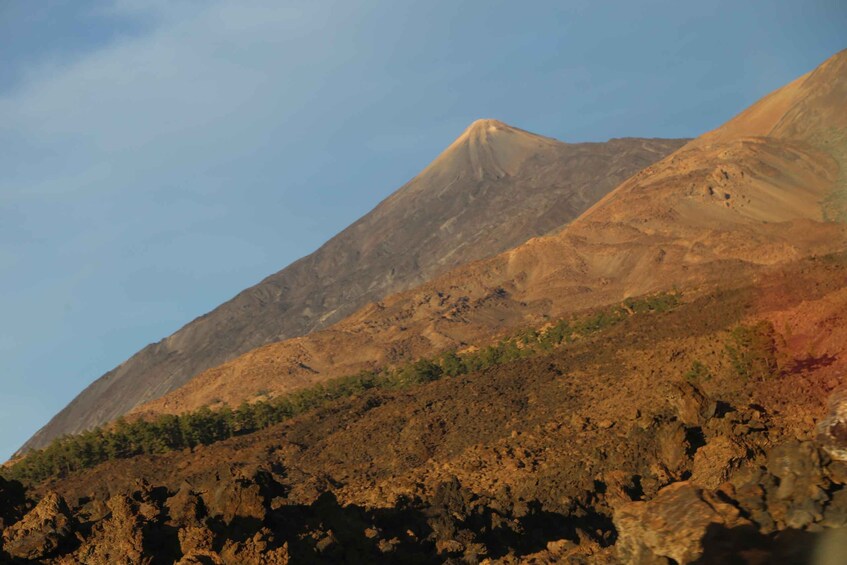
(493, 188)
(749, 194)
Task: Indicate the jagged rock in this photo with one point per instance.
(195, 540)
(564, 551)
(832, 430)
(835, 513)
(327, 543)
(619, 487)
(836, 471)
(715, 461)
(118, 539)
(693, 406)
(750, 495)
(42, 531)
(673, 448)
(233, 495)
(449, 508)
(258, 550)
(185, 507)
(449, 546)
(676, 525)
(801, 493)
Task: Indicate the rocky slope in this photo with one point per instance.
(762, 190)
(609, 449)
(495, 187)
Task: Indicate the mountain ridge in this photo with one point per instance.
(488, 191)
(723, 206)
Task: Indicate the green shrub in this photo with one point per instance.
(126, 439)
(697, 373)
(752, 351)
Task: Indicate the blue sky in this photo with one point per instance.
(160, 156)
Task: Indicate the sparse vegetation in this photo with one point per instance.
(698, 372)
(205, 426)
(752, 351)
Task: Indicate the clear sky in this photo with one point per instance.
(159, 156)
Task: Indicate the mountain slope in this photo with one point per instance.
(751, 194)
(495, 187)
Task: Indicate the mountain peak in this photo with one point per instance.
(488, 149)
(812, 108)
(486, 125)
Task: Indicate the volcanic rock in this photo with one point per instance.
(832, 430)
(801, 494)
(715, 461)
(693, 406)
(42, 531)
(676, 524)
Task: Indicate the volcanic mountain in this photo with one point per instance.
(702, 425)
(762, 190)
(493, 188)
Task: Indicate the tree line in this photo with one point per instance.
(125, 439)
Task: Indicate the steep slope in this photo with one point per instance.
(720, 208)
(495, 187)
(538, 454)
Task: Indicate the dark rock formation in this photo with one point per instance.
(12, 502)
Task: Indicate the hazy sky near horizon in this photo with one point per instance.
(157, 157)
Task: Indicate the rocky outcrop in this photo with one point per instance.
(693, 406)
(130, 534)
(801, 485)
(676, 524)
(715, 461)
(43, 532)
(832, 430)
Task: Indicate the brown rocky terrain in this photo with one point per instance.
(495, 187)
(605, 450)
(725, 204)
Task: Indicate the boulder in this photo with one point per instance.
(693, 406)
(42, 532)
(185, 507)
(233, 496)
(119, 538)
(715, 461)
(673, 449)
(801, 492)
(677, 525)
(832, 430)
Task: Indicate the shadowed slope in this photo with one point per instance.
(493, 188)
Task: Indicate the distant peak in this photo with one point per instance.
(486, 125)
(489, 149)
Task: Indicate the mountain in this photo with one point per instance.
(493, 188)
(757, 192)
(700, 425)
